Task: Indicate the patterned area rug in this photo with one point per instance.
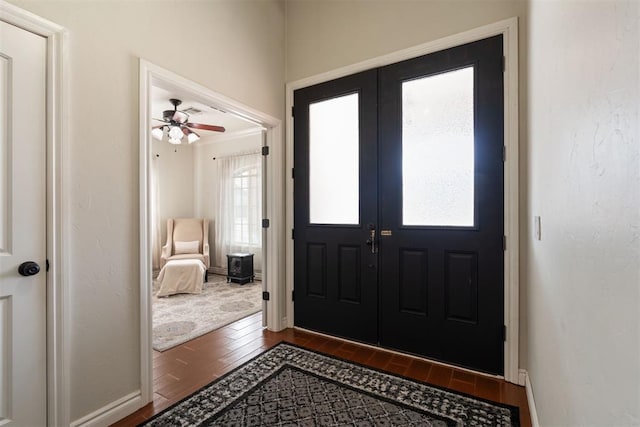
(182, 317)
(288, 385)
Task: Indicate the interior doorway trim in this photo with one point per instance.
(509, 30)
(153, 75)
(57, 179)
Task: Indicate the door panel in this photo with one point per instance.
(335, 272)
(461, 286)
(349, 266)
(22, 227)
(445, 155)
(317, 270)
(413, 282)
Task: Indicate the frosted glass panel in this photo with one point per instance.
(438, 150)
(333, 161)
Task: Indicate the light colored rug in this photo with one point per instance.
(180, 318)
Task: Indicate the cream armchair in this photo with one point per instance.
(187, 238)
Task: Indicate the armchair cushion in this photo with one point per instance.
(186, 247)
(186, 256)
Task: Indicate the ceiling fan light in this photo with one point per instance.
(158, 133)
(180, 117)
(193, 137)
(174, 141)
(175, 133)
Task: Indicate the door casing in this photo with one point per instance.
(56, 215)
(153, 75)
(509, 30)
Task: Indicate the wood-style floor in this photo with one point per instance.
(182, 370)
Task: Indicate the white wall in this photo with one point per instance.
(584, 182)
(325, 35)
(176, 182)
(207, 187)
(233, 47)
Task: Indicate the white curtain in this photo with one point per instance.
(156, 236)
(238, 219)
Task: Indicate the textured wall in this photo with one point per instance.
(584, 182)
(233, 47)
(176, 182)
(325, 35)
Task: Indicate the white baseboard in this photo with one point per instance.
(530, 400)
(522, 377)
(112, 412)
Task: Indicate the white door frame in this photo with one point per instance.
(509, 29)
(153, 75)
(57, 179)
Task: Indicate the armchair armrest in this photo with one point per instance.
(205, 242)
(205, 254)
(165, 254)
(168, 247)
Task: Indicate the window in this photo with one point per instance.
(334, 128)
(247, 207)
(438, 150)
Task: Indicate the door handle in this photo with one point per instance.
(371, 241)
(29, 268)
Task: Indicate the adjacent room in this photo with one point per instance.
(206, 211)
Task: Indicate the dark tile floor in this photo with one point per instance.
(182, 370)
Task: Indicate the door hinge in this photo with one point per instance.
(265, 296)
(504, 153)
(265, 223)
(504, 64)
(504, 243)
(504, 332)
(293, 234)
(293, 111)
(47, 264)
(293, 173)
(265, 150)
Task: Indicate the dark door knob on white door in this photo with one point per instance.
(29, 268)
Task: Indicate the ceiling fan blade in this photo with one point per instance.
(159, 126)
(205, 127)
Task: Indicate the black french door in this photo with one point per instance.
(398, 215)
(335, 272)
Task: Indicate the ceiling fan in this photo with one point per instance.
(177, 125)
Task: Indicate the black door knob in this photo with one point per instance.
(29, 268)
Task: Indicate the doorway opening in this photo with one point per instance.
(203, 204)
(205, 211)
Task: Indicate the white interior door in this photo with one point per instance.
(22, 227)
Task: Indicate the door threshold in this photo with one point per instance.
(399, 353)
